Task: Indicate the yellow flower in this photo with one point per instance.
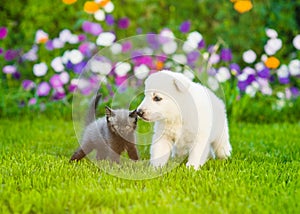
(69, 1)
(272, 62)
(90, 7)
(103, 3)
(242, 6)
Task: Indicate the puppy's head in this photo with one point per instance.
(162, 97)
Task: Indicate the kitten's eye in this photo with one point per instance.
(127, 127)
(156, 98)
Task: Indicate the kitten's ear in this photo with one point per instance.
(109, 112)
(133, 114)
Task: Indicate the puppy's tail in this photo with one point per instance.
(91, 115)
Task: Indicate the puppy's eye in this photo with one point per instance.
(156, 98)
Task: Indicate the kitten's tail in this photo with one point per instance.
(91, 115)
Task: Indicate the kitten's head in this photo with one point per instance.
(122, 122)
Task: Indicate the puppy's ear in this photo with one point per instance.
(181, 85)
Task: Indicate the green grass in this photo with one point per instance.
(35, 176)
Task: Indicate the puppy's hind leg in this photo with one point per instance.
(221, 146)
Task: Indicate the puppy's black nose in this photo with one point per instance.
(140, 112)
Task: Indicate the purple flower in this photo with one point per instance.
(192, 56)
(153, 41)
(185, 27)
(295, 91)
(10, 55)
(126, 46)
(59, 94)
(109, 20)
(3, 32)
(284, 80)
(28, 85)
(49, 45)
(201, 44)
(264, 73)
(242, 85)
(146, 60)
(1, 51)
(17, 75)
(55, 81)
(78, 68)
(72, 88)
(226, 55)
(9, 69)
(92, 28)
(123, 23)
(235, 68)
(43, 89)
(84, 48)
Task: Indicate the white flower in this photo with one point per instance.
(249, 70)
(214, 58)
(141, 72)
(166, 35)
(9, 69)
(188, 47)
(64, 77)
(189, 74)
(57, 43)
(169, 47)
(271, 33)
(75, 56)
(109, 7)
(41, 36)
(213, 83)
(116, 48)
(65, 57)
(57, 64)
(99, 15)
(105, 39)
(73, 39)
(194, 38)
(266, 90)
(122, 68)
(296, 42)
(251, 91)
(40, 69)
(283, 71)
(259, 66)
(264, 57)
(249, 56)
(103, 68)
(243, 77)
(280, 95)
(179, 58)
(272, 46)
(64, 35)
(223, 74)
(294, 67)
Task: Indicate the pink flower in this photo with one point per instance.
(3, 32)
(43, 89)
(55, 81)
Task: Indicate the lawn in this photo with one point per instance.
(35, 176)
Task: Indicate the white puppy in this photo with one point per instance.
(189, 119)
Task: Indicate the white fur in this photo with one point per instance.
(189, 119)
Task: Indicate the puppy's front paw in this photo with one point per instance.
(192, 165)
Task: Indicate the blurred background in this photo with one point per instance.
(260, 71)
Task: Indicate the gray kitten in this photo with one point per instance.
(110, 135)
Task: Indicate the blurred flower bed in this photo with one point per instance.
(265, 74)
